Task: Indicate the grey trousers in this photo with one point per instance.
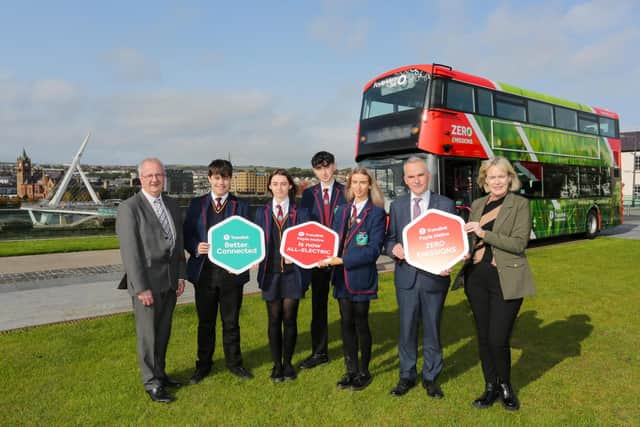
(153, 328)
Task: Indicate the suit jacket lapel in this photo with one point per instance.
(505, 210)
(335, 196)
(405, 212)
(149, 214)
(205, 202)
(146, 207)
(230, 208)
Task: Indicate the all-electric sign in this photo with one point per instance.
(309, 243)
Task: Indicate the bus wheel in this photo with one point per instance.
(592, 225)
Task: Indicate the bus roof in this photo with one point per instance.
(448, 72)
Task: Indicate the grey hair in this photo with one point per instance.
(416, 159)
(149, 159)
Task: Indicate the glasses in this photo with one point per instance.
(153, 175)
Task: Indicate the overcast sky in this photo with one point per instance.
(271, 83)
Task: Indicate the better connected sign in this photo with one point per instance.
(236, 244)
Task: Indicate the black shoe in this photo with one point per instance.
(490, 395)
(347, 380)
(509, 400)
(433, 389)
(198, 375)
(403, 387)
(159, 394)
(289, 373)
(361, 382)
(276, 374)
(169, 383)
(314, 360)
(241, 372)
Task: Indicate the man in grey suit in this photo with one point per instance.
(151, 245)
(420, 294)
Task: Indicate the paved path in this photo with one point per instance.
(44, 289)
(629, 230)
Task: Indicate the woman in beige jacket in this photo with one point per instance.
(497, 275)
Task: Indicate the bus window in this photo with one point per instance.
(400, 92)
(560, 182)
(607, 127)
(485, 102)
(510, 107)
(587, 123)
(589, 181)
(530, 175)
(605, 180)
(566, 119)
(459, 97)
(540, 114)
(437, 93)
(378, 109)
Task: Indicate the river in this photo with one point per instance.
(15, 224)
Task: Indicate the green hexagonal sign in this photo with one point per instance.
(236, 244)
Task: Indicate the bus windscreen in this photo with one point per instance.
(399, 92)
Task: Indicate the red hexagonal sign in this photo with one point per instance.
(435, 241)
(309, 243)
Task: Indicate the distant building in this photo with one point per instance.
(630, 164)
(243, 182)
(261, 182)
(178, 181)
(249, 182)
(8, 186)
(31, 183)
(200, 181)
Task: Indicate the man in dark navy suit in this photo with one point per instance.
(321, 202)
(420, 294)
(214, 285)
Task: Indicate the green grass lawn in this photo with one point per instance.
(49, 246)
(575, 361)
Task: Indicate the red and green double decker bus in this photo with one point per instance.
(566, 154)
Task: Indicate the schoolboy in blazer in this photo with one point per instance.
(321, 200)
(215, 286)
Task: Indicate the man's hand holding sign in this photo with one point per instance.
(435, 241)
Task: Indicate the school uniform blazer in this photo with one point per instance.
(313, 203)
(508, 240)
(195, 231)
(264, 219)
(405, 275)
(149, 263)
(360, 248)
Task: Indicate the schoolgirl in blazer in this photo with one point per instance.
(282, 283)
(361, 226)
(264, 219)
(360, 247)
